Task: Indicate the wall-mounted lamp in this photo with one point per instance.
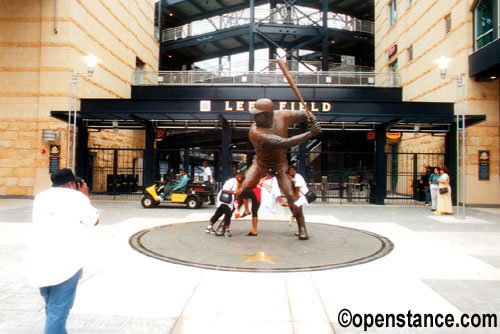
(49, 135)
(443, 65)
(91, 63)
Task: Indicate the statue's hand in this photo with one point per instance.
(312, 119)
(315, 129)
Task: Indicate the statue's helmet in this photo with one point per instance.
(262, 105)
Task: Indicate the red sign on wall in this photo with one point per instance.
(160, 133)
(372, 135)
(391, 51)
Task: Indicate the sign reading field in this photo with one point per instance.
(282, 105)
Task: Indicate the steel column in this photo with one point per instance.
(225, 151)
(82, 151)
(251, 43)
(381, 163)
(450, 161)
(147, 176)
(324, 59)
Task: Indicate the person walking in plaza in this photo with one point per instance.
(444, 205)
(58, 244)
(225, 206)
(179, 185)
(434, 186)
(208, 179)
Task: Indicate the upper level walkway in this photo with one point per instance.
(281, 16)
(250, 78)
(329, 32)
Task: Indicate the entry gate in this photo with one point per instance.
(404, 175)
(335, 177)
(115, 171)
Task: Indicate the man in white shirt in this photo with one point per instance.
(299, 185)
(208, 178)
(58, 244)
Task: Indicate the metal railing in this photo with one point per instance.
(266, 65)
(281, 16)
(204, 78)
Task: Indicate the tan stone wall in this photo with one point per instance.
(422, 26)
(36, 64)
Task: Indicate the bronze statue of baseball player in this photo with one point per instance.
(269, 136)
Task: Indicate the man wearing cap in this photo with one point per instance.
(58, 244)
(269, 136)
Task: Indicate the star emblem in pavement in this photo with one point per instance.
(259, 256)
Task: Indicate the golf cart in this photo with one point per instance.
(193, 196)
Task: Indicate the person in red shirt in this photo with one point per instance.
(256, 196)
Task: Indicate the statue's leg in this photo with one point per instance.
(253, 176)
(286, 187)
(301, 222)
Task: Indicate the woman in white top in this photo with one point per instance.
(444, 205)
(225, 208)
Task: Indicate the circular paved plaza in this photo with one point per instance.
(275, 249)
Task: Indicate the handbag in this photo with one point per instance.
(226, 198)
(443, 190)
(310, 196)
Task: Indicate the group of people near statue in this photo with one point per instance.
(265, 195)
(435, 186)
(269, 137)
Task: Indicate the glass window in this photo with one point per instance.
(447, 23)
(483, 21)
(393, 13)
(410, 53)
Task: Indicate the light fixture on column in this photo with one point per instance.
(91, 61)
(443, 63)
